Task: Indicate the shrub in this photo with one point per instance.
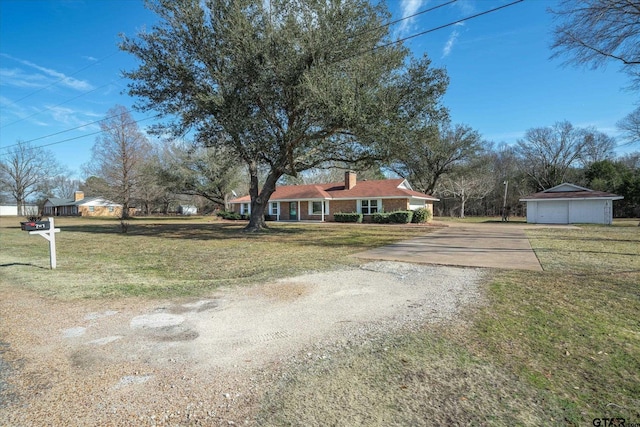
(421, 215)
(400, 217)
(229, 215)
(347, 217)
(380, 218)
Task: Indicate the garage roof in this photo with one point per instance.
(567, 191)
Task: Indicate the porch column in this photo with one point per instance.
(322, 210)
(299, 213)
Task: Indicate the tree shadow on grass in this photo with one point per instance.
(198, 231)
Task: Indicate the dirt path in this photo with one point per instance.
(178, 362)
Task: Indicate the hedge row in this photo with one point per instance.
(418, 216)
(231, 215)
(347, 217)
(397, 217)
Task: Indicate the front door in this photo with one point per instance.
(293, 210)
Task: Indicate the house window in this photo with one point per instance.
(369, 206)
(110, 208)
(244, 208)
(91, 208)
(316, 208)
(273, 208)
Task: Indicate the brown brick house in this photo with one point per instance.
(79, 206)
(318, 202)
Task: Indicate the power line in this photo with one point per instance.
(63, 78)
(62, 131)
(57, 105)
(108, 56)
(445, 25)
(404, 18)
(75, 137)
(362, 53)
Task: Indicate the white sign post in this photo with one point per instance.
(50, 235)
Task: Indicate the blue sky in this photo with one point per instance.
(60, 70)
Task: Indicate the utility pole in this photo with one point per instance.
(504, 201)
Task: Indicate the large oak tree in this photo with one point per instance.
(287, 85)
(424, 153)
(211, 172)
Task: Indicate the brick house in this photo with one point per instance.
(79, 206)
(318, 202)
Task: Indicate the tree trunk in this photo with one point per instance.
(260, 201)
(125, 210)
(20, 206)
(256, 219)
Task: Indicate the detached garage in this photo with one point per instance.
(570, 204)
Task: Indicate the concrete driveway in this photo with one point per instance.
(493, 245)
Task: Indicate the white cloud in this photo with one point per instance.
(466, 6)
(90, 58)
(408, 8)
(72, 118)
(453, 37)
(14, 113)
(47, 77)
(18, 78)
(449, 44)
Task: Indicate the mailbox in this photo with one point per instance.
(35, 225)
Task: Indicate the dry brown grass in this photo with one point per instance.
(559, 347)
(281, 291)
(163, 257)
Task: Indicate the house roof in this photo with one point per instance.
(384, 188)
(568, 191)
(54, 201)
(96, 201)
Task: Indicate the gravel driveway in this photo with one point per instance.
(205, 361)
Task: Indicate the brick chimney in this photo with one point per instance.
(349, 180)
(78, 195)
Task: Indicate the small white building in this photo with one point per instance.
(570, 204)
(12, 210)
(187, 210)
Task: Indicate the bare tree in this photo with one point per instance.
(467, 185)
(64, 187)
(547, 153)
(597, 146)
(151, 192)
(26, 171)
(630, 127)
(119, 155)
(593, 32)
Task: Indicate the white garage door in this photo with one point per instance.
(553, 212)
